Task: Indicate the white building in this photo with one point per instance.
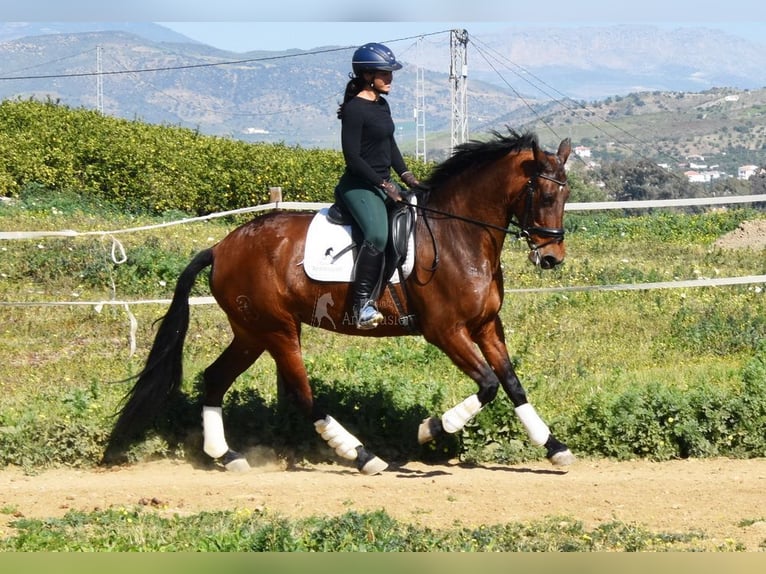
(746, 171)
(702, 176)
(582, 151)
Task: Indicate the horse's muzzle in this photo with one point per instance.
(544, 261)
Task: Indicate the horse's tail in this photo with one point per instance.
(162, 374)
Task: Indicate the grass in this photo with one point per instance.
(569, 349)
(597, 365)
(138, 529)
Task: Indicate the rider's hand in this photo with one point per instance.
(392, 190)
(409, 179)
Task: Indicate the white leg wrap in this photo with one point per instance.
(212, 428)
(454, 419)
(537, 430)
(337, 437)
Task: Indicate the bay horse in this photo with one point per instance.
(467, 206)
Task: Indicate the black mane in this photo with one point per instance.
(475, 154)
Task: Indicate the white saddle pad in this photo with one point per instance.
(325, 240)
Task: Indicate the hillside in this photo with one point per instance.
(624, 91)
(722, 127)
(288, 97)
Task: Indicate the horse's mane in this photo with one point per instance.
(475, 154)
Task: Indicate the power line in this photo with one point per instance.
(172, 68)
(195, 66)
(527, 74)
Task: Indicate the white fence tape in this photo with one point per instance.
(313, 206)
(644, 204)
(119, 256)
(291, 205)
(718, 282)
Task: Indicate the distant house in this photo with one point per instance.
(582, 151)
(702, 176)
(746, 171)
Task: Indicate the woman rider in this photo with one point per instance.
(370, 153)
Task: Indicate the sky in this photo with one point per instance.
(253, 35)
(245, 36)
(243, 25)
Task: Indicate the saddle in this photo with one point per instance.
(401, 221)
(332, 243)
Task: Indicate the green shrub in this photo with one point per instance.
(661, 422)
(141, 166)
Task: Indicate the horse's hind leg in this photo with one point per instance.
(218, 377)
(285, 349)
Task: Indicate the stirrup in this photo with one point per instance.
(369, 317)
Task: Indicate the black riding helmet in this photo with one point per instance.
(374, 57)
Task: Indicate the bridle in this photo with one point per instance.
(553, 234)
(523, 228)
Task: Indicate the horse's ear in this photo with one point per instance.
(565, 148)
(540, 157)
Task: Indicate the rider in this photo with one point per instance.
(370, 152)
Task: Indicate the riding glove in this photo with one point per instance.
(409, 179)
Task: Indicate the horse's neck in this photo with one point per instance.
(481, 223)
(473, 204)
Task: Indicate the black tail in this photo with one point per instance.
(162, 375)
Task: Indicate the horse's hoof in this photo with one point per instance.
(235, 462)
(429, 429)
(367, 463)
(563, 458)
(374, 466)
(237, 465)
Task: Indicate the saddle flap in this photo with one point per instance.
(330, 248)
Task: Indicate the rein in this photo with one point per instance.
(524, 230)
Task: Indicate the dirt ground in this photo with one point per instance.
(724, 498)
(750, 234)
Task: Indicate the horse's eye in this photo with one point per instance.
(549, 198)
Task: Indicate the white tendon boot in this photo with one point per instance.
(348, 446)
(215, 445)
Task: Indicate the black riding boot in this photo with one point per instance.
(367, 272)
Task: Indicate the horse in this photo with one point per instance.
(471, 201)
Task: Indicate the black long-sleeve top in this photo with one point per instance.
(367, 140)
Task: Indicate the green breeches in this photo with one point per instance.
(369, 211)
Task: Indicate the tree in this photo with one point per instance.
(642, 179)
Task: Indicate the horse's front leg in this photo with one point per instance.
(492, 344)
(461, 349)
(491, 369)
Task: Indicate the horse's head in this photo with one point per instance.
(540, 209)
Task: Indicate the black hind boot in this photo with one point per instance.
(367, 272)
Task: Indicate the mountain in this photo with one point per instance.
(516, 76)
(597, 62)
(16, 30)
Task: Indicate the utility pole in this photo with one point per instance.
(458, 76)
(99, 82)
(420, 109)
